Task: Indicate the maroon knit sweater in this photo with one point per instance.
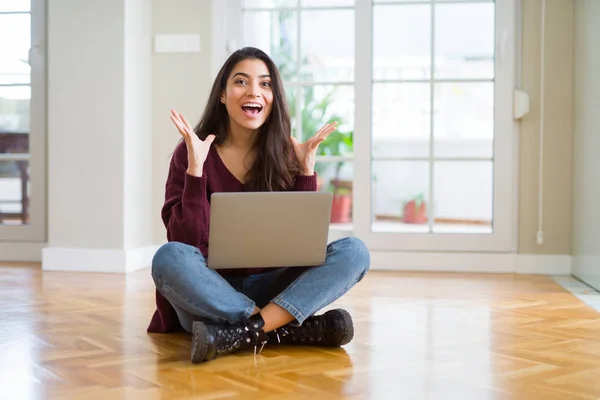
(186, 213)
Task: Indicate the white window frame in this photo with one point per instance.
(504, 235)
(35, 230)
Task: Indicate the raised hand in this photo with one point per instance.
(307, 152)
(197, 149)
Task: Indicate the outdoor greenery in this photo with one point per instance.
(315, 110)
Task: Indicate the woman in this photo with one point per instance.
(243, 143)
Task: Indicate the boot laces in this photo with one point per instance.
(229, 339)
(311, 331)
(232, 338)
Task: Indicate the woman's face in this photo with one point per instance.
(248, 95)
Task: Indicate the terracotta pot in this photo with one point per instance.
(414, 214)
(341, 208)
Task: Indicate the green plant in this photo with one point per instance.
(314, 110)
(314, 113)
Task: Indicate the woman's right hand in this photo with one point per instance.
(197, 149)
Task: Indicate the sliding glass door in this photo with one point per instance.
(424, 156)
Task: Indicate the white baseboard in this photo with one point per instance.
(121, 261)
(21, 251)
(472, 262)
(551, 264)
(97, 260)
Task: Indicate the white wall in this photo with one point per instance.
(85, 123)
(99, 136)
(558, 128)
(586, 188)
(179, 81)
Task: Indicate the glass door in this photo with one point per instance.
(22, 121)
(424, 157)
(312, 43)
(436, 145)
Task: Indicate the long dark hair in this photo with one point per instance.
(275, 165)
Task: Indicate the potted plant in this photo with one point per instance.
(338, 143)
(314, 112)
(414, 210)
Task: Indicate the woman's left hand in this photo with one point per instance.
(307, 152)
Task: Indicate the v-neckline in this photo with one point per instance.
(220, 160)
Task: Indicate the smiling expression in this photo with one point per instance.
(248, 95)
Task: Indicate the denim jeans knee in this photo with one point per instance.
(163, 259)
(357, 254)
(180, 274)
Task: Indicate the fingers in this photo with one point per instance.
(187, 124)
(325, 131)
(185, 128)
(181, 122)
(322, 134)
(179, 126)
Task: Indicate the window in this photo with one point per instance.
(22, 120)
(15, 96)
(423, 93)
(312, 44)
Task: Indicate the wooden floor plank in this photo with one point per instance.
(417, 336)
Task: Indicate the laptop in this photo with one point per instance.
(268, 229)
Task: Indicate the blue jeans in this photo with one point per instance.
(197, 292)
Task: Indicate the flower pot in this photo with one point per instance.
(415, 214)
(341, 208)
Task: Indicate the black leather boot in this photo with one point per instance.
(212, 339)
(332, 329)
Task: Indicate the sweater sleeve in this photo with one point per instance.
(306, 183)
(186, 210)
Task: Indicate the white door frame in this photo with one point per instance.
(24, 241)
(504, 236)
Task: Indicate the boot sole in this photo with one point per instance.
(200, 334)
(349, 334)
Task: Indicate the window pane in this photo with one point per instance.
(327, 48)
(337, 177)
(269, 3)
(464, 40)
(276, 34)
(14, 109)
(323, 104)
(464, 119)
(463, 192)
(426, 1)
(14, 5)
(14, 188)
(14, 53)
(408, 54)
(292, 94)
(400, 193)
(399, 1)
(401, 120)
(458, 1)
(326, 3)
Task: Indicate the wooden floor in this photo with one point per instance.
(418, 336)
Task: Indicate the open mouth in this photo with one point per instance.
(252, 108)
